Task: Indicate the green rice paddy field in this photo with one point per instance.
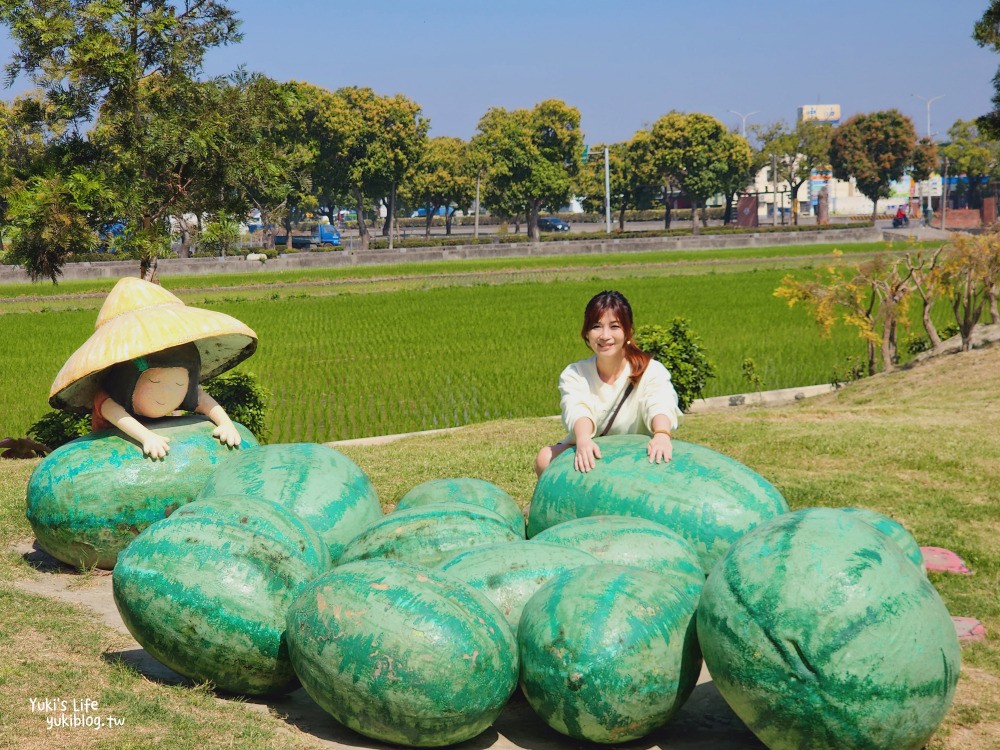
(373, 359)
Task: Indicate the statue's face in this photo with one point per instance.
(160, 391)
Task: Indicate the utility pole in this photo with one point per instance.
(944, 195)
(743, 119)
(774, 187)
(607, 192)
(475, 232)
(929, 102)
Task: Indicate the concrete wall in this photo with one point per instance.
(236, 264)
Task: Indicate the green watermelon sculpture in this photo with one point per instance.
(509, 574)
(88, 499)
(319, 484)
(709, 499)
(206, 591)
(429, 535)
(895, 531)
(626, 540)
(820, 633)
(402, 653)
(476, 492)
(608, 652)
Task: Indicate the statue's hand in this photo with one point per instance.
(227, 435)
(156, 446)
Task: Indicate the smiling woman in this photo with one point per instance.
(596, 393)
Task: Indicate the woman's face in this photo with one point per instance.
(160, 391)
(606, 337)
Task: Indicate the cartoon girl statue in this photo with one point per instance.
(145, 361)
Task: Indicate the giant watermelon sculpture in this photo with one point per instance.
(608, 652)
(430, 534)
(820, 633)
(637, 542)
(206, 591)
(88, 499)
(476, 492)
(509, 574)
(402, 653)
(709, 499)
(319, 484)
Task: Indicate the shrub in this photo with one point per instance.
(244, 399)
(59, 427)
(220, 236)
(680, 351)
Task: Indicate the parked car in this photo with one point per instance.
(552, 224)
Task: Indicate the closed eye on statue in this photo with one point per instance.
(181, 384)
(153, 381)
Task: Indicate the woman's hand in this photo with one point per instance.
(587, 454)
(659, 448)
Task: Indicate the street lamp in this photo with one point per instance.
(743, 118)
(929, 103)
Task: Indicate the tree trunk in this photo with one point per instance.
(621, 219)
(889, 346)
(668, 205)
(695, 229)
(793, 193)
(429, 219)
(727, 215)
(929, 326)
(359, 199)
(533, 234)
(871, 357)
(448, 216)
(391, 214)
(874, 209)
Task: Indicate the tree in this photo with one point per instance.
(695, 150)
(970, 278)
(874, 149)
(737, 175)
(987, 34)
(871, 296)
(970, 153)
(268, 156)
(373, 142)
(533, 157)
(442, 179)
(800, 150)
(634, 183)
(130, 68)
(50, 218)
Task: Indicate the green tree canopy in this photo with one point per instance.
(799, 150)
(130, 68)
(698, 153)
(533, 157)
(973, 154)
(373, 143)
(874, 149)
(987, 34)
(442, 178)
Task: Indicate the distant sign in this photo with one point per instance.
(820, 112)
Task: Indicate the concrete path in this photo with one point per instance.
(704, 723)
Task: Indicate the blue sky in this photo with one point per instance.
(626, 63)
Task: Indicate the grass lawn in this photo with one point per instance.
(922, 446)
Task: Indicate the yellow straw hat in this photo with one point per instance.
(137, 319)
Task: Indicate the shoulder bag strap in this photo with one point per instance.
(628, 390)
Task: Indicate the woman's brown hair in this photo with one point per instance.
(617, 305)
